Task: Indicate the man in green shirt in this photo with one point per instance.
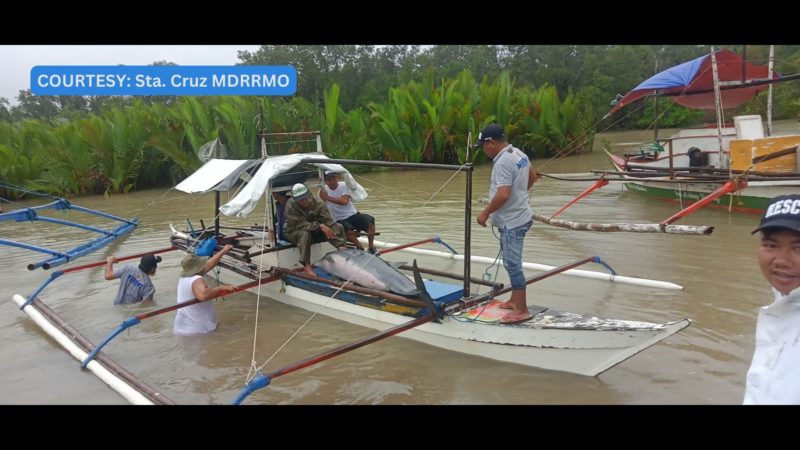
(307, 220)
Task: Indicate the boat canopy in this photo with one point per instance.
(276, 172)
(216, 175)
(692, 83)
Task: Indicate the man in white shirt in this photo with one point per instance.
(509, 211)
(337, 197)
(774, 375)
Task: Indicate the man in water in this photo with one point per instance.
(135, 284)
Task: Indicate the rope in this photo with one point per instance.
(12, 186)
(251, 372)
(395, 193)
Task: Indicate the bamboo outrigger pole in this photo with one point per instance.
(597, 185)
(543, 267)
(729, 187)
(115, 376)
(627, 227)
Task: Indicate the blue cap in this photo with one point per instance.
(491, 132)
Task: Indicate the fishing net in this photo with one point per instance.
(213, 149)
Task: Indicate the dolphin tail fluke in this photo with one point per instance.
(423, 294)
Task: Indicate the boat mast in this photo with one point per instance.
(723, 157)
(320, 170)
(216, 199)
(273, 237)
(769, 95)
(655, 105)
(468, 222)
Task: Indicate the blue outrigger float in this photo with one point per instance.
(61, 257)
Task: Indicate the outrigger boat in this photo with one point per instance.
(454, 320)
(735, 166)
(760, 167)
(443, 314)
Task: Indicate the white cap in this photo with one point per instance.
(300, 191)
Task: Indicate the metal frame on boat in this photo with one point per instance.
(58, 258)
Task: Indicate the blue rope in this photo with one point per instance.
(600, 261)
(255, 384)
(439, 240)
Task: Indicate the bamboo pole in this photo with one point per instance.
(703, 230)
(454, 276)
(543, 267)
(107, 376)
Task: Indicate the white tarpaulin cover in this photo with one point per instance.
(216, 174)
(247, 199)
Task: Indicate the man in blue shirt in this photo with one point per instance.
(135, 284)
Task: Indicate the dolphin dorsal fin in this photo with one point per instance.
(423, 293)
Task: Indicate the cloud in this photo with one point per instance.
(18, 60)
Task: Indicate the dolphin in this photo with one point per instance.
(367, 270)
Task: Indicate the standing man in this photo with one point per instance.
(134, 282)
(508, 209)
(337, 197)
(774, 375)
(307, 219)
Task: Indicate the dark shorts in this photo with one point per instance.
(358, 221)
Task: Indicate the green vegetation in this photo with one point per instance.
(401, 103)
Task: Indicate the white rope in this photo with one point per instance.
(339, 289)
(395, 193)
(253, 370)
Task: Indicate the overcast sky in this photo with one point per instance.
(18, 60)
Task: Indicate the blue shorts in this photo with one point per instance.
(511, 246)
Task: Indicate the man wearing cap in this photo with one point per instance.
(307, 220)
(135, 284)
(774, 375)
(337, 198)
(508, 209)
(201, 317)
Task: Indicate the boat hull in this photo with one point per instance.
(552, 340)
(752, 199)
